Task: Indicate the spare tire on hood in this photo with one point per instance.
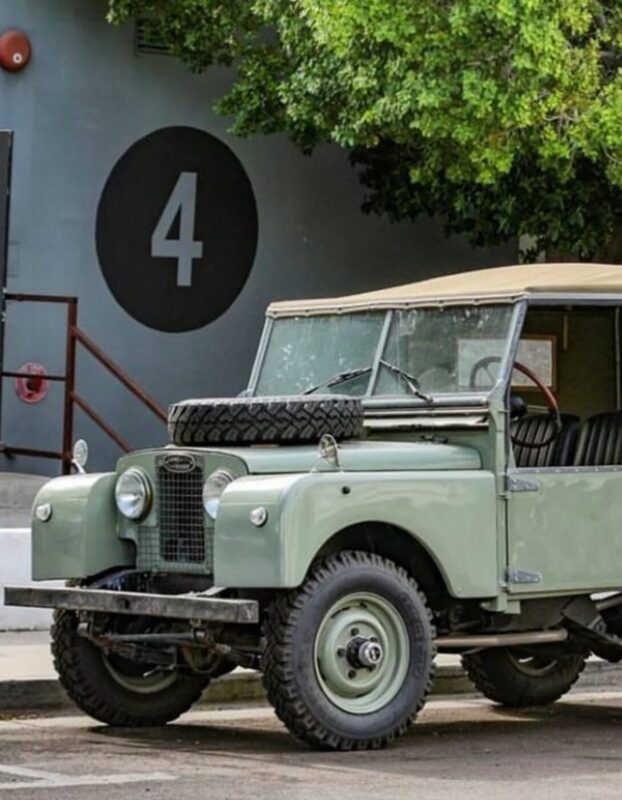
(264, 420)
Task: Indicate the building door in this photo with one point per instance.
(6, 142)
(6, 139)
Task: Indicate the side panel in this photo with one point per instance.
(566, 532)
(80, 539)
(452, 514)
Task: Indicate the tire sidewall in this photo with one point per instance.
(94, 688)
(498, 677)
(408, 604)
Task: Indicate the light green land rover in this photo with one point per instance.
(433, 467)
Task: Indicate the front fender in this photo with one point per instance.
(80, 538)
(452, 514)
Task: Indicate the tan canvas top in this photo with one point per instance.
(502, 283)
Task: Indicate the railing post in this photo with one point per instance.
(70, 384)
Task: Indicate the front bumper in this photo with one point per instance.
(186, 606)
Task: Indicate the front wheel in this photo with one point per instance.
(114, 690)
(349, 655)
(516, 678)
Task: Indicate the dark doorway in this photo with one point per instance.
(6, 143)
(6, 140)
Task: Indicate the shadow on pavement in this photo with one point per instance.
(502, 743)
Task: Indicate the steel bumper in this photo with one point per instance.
(185, 606)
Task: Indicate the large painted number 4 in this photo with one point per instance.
(185, 249)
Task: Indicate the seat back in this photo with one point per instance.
(534, 428)
(600, 441)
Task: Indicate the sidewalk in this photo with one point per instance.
(26, 656)
(28, 681)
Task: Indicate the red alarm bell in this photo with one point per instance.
(15, 50)
(32, 385)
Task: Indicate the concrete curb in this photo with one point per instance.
(32, 696)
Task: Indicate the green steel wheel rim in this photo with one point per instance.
(357, 629)
(145, 680)
(533, 666)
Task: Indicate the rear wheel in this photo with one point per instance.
(113, 689)
(518, 678)
(349, 654)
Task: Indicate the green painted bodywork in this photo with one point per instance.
(358, 456)
(496, 533)
(437, 492)
(452, 515)
(80, 539)
(567, 530)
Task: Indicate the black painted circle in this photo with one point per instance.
(134, 198)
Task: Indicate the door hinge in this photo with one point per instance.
(522, 576)
(522, 485)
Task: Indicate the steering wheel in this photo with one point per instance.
(551, 400)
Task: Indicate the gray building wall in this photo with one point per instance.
(84, 99)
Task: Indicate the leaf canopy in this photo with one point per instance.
(500, 117)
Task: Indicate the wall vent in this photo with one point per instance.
(146, 39)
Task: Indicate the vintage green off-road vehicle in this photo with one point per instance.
(433, 467)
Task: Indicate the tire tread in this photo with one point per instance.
(501, 687)
(84, 692)
(280, 620)
(265, 420)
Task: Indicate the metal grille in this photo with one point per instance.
(181, 541)
(181, 515)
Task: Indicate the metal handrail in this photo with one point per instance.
(75, 336)
(119, 374)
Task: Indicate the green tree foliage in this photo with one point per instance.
(500, 117)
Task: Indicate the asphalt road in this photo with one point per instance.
(458, 749)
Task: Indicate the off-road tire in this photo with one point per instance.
(497, 676)
(290, 628)
(85, 678)
(264, 420)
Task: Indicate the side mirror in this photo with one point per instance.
(80, 456)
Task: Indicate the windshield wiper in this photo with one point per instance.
(409, 380)
(340, 377)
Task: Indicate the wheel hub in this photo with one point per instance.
(363, 652)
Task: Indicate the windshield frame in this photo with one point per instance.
(450, 399)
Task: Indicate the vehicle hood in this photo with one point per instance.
(360, 456)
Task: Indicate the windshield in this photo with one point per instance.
(425, 350)
(303, 352)
(450, 350)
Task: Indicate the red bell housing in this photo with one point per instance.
(15, 50)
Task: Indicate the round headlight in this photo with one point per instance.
(133, 493)
(213, 488)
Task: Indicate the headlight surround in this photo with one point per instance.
(133, 494)
(213, 488)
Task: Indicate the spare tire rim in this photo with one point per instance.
(361, 653)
